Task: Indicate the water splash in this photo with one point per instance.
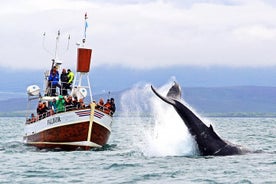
(160, 131)
(136, 101)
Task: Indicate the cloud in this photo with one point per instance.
(140, 34)
(255, 32)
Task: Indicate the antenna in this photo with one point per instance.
(57, 40)
(69, 37)
(43, 44)
(56, 52)
(67, 47)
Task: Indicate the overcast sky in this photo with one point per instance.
(140, 34)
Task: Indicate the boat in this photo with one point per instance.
(72, 127)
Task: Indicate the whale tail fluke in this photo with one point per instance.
(167, 100)
(174, 92)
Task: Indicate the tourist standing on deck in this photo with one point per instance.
(54, 81)
(70, 75)
(64, 81)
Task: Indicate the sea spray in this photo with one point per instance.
(136, 100)
(137, 114)
(164, 133)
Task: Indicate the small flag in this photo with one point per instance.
(86, 25)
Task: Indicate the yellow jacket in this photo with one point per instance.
(70, 77)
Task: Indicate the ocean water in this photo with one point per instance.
(136, 154)
(152, 147)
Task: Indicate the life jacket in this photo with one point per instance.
(107, 107)
(101, 102)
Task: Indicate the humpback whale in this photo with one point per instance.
(208, 142)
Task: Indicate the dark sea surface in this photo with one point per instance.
(144, 149)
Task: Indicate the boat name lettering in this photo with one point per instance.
(53, 120)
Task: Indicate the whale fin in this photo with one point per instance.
(214, 133)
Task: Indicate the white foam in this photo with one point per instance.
(165, 134)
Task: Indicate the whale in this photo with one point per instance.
(209, 143)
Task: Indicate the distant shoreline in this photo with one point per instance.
(210, 115)
(239, 101)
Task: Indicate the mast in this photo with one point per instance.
(56, 62)
(57, 40)
(84, 55)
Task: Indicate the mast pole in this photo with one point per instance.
(85, 27)
(57, 40)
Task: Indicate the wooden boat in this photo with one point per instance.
(71, 128)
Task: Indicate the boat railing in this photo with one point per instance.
(104, 109)
(55, 89)
(33, 119)
(51, 112)
(73, 107)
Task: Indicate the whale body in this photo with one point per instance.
(208, 142)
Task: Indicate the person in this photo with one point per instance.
(32, 118)
(70, 75)
(41, 110)
(112, 106)
(69, 103)
(75, 102)
(53, 106)
(64, 81)
(60, 104)
(53, 81)
(100, 104)
(81, 104)
(107, 106)
(46, 108)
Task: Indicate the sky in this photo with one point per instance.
(138, 36)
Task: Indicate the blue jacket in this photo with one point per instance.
(54, 78)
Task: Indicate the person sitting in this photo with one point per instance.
(112, 106)
(32, 118)
(81, 104)
(45, 104)
(100, 104)
(41, 111)
(60, 104)
(107, 106)
(75, 102)
(69, 103)
(53, 106)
